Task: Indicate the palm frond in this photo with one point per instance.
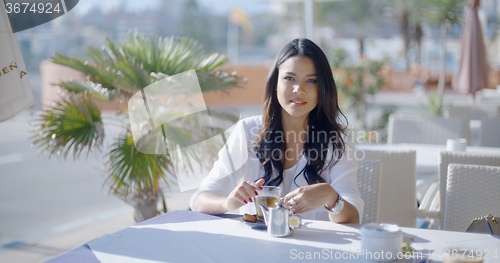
(434, 105)
(97, 74)
(132, 77)
(128, 65)
(77, 87)
(211, 62)
(73, 125)
(218, 80)
(90, 89)
(130, 170)
(444, 11)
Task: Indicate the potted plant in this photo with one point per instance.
(114, 74)
(357, 85)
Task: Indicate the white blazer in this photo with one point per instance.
(237, 164)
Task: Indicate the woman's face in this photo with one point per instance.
(297, 87)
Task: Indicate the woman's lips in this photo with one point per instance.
(298, 102)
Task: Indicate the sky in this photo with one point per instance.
(218, 7)
(224, 6)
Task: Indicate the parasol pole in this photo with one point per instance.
(309, 23)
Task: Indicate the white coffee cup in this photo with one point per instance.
(381, 242)
(456, 144)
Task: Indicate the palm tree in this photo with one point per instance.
(404, 28)
(417, 36)
(446, 13)
(117, 71)
(408, 14)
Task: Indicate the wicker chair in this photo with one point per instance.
(445, 158)
(474, 112)
(488, 133)
(470, 193)
(425, 130)
(428, 202)
(369, 186)
(398, 202)
(471, 112)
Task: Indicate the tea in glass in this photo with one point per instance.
(268, 196)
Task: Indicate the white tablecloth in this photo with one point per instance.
(213, 239)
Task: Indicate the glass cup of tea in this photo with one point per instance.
(268, 196)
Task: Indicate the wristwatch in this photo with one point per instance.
(337, 208)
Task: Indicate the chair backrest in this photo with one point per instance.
(471, 192)
(489, 135)
(445, 158)
(426, 130)
(398, 200)
(471, 112)
(369, 185)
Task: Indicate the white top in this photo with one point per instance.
(237, 164)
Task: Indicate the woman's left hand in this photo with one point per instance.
(311, 197)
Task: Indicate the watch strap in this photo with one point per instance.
(337, 207)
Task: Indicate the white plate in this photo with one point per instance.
(259, 224)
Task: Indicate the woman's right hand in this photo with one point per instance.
(242, 194)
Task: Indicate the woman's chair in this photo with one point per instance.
(369, 186)
(398, 201)
(471, 192)
(425, 130)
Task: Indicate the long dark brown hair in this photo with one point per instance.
(325, 119)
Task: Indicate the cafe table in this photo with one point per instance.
(187, 236)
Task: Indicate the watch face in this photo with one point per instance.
(339, 207)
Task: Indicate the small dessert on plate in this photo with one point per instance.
(249, 218)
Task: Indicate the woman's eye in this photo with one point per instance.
(312, 81)
(289, 78)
